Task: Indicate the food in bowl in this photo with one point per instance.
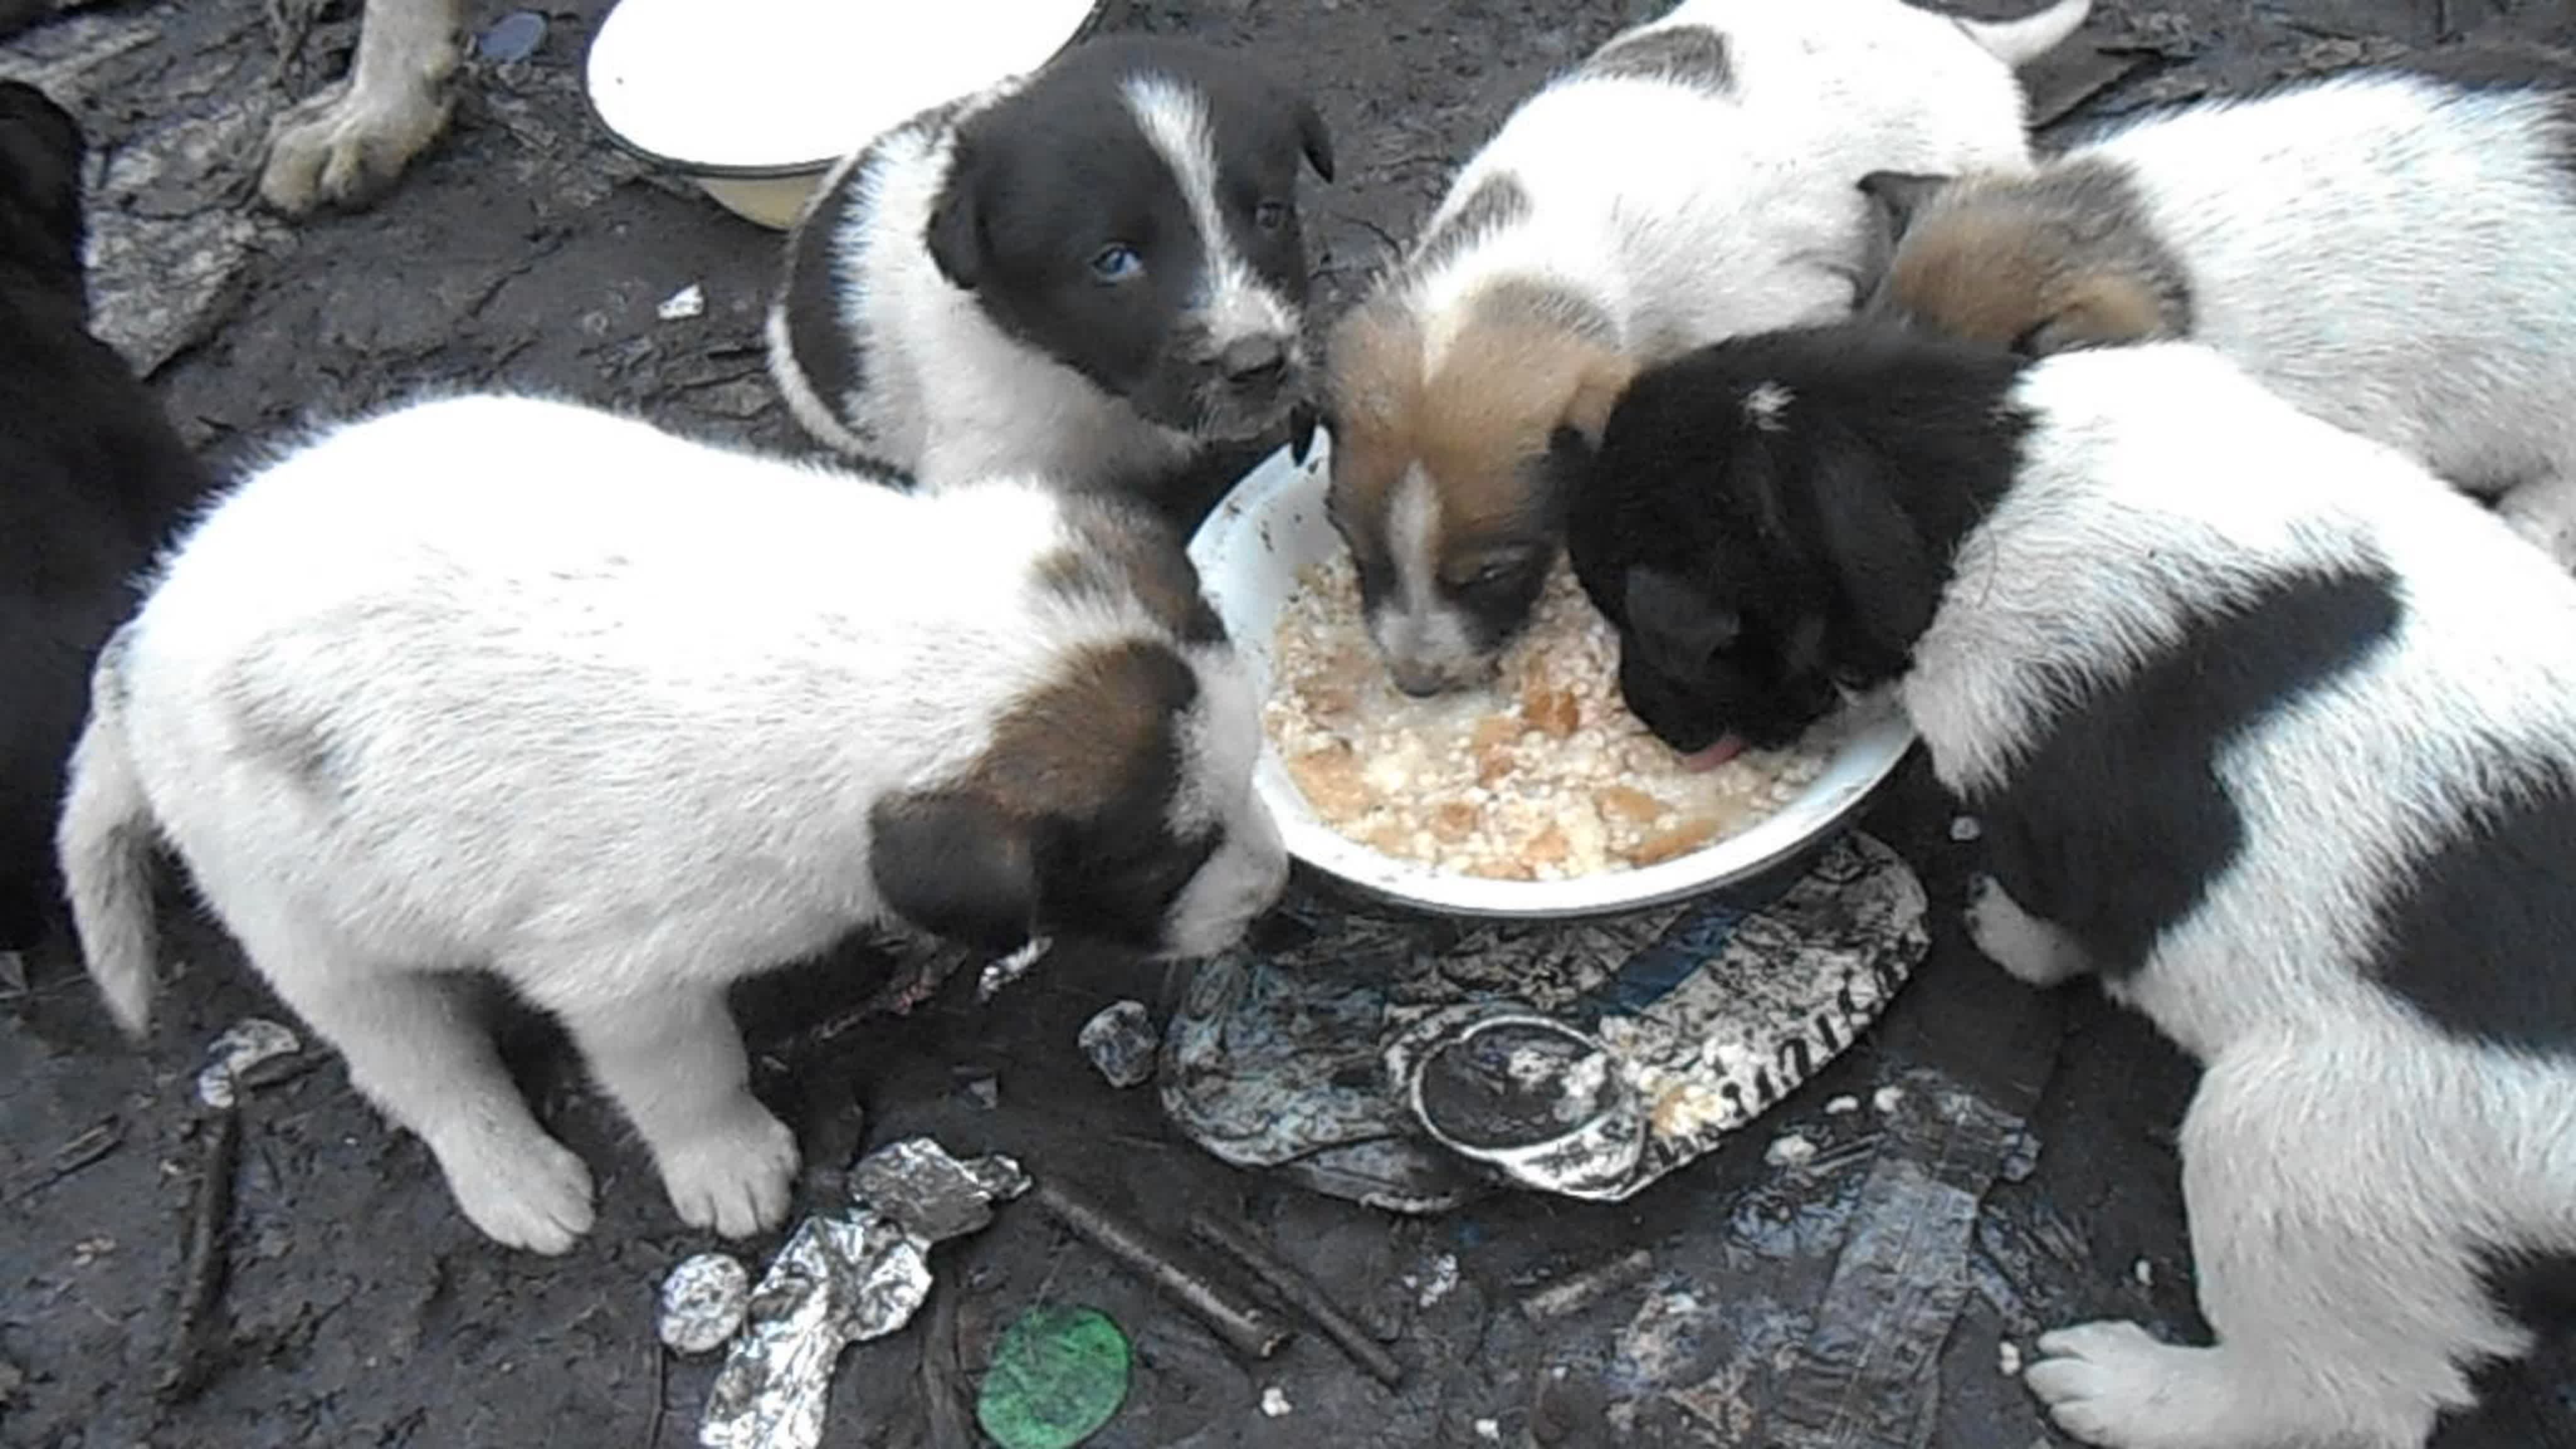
(1542, 775)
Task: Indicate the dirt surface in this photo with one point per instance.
(361, 1310)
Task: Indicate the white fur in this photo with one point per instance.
(510, 684)
(2394, 255)
(355, 136)
(1691, 216)
(948, 397)
(2342, 1159)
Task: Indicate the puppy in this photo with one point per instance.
(92, 479)
(345, 145)
(2393, 250)
(1089, 274)
(2266, 729)
(1692, 180)
(623, 719)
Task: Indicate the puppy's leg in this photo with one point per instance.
(2033, 950)
(348, 142)
(2544, 511)
(2321, 1237)
(673, 1059)
(415, 1051)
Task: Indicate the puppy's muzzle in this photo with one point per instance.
(1246, 386)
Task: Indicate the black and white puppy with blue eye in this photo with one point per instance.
(1092, 273)
(2270, 730)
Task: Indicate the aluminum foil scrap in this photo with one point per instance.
(843, 1279)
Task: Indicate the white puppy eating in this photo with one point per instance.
(2392, 249)
(511, 685)
(2267, 728)
(1693, 179)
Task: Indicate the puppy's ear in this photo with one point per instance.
(1895, 198)
(955, 866)
(1676, 623)
(1303, 420)
(955, 235)
(1875, 548)
(2102, 310)
(41, 151)
(1597, 390)
(1315, 137)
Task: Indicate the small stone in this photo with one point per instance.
(244, 1045)
(1490, 1430)
(1842, 1106)
(1965, 828)
(689, 301)
(1790, 1150)
(1437, 1284)
(984, 1092)
(514, 36)
(1273, 1402)
(2145, 1273)
(1121, 1042)
(1886, 1098)
(2008, 1358)
(703, 1301)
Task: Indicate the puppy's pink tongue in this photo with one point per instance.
(1726, 748)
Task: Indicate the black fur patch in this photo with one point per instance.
(2476, 941)
(1690, 55)
(2116, 824)
(832, 356)
(1497, 202)
(2536, 1290)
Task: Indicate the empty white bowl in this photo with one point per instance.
(1272, 527)
(755, 99)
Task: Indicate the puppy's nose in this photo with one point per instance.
(1249, 360)
(1415, 680)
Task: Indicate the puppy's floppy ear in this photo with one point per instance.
(1896, 198)
(1303, 419)
(955, 235)
(953, 865)
(1879, 553)
(2104, 309)
(1670, 616)
(41, 151)
(1315, 137)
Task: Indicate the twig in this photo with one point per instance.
(1574, 1293)
(101, 1138)
(1243, 1325)
(942, 1376)
(661, 1395)
(1301, 1293)
(203, 1266)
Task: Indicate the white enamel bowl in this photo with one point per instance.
(755, 99)
(1271, 527)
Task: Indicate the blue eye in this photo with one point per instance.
(1117, 263)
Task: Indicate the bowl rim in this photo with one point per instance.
(1876, 741)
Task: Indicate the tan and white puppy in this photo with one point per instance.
(621, 719)
(1693, 179)
(2391, 249)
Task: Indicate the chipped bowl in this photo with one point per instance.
(754, 100)
(1271, 528)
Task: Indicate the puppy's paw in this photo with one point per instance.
(2032, 950)
(2113, 1384)
(344, 146)
(535, 1196)
(735, 1178)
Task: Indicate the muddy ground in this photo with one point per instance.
(362, 1311)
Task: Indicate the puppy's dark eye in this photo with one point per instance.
(1116, 262)
(1270, 215)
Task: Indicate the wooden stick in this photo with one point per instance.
(1301, 1293)
(1243, 1325)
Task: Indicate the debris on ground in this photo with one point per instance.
(205, 1265)
(844, 1279)
(2008, 1359)
(243, 1045)
(1576, 1292)
(1059, 1373)
(689, 301)
(1842, 1106)
(1965, 829)
(1245, 1325)
(1790, 1149)
(1274, 1401)
(1299, 1292)
(1000, 973)
(1121, 1042)
(514, 36)
(703, 1302)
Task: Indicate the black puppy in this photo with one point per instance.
(92, 480)
(1090, 274)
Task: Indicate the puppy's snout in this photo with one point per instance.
(1253, 361)
(1419, 681)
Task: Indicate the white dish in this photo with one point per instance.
(755, 99)
(1272, 527)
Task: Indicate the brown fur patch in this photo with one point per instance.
(1689, 55)
(1124, 552)
(1097, 733)
(2064, 259)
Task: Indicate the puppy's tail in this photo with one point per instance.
(104, 842)
(2019, 42)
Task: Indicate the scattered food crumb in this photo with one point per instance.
(1273, 1402)
(1886, 1098)
(90, 1249)
(1839, 1106)
(689, 301)
(2145, 1273)
(1790, 1150)
(2008, 1358)
(1964, 828)
(1439, 1281)
(1490, 1430)
(985, 1092)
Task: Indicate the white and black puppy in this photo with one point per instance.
(2392, 249)
(92, 482)
(1692, 179)
(2267, 728)
(1088, 274)
(623, 718)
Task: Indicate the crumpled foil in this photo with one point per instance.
(844, 1279)
(243, 1045)
(703, 1302)
(1005, 970)
(1121, 1042)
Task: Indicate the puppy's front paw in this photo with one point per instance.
(735, 1178)
(2032, 950)
(535, 1195)
(345, 145)
(2113, 1384)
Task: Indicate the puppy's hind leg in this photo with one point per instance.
(2328, 1262)
(416, 1051)
(2032, 950)
(673, 1059)
(347, 143)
